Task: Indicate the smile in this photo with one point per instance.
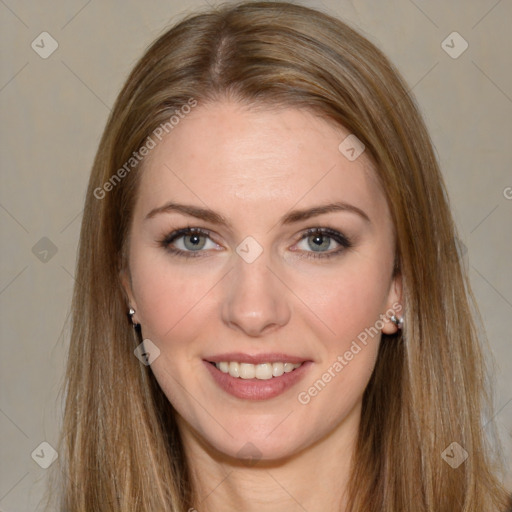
(257, 380)
(263, 371)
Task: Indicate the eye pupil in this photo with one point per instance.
(320, 241)
(194, 241)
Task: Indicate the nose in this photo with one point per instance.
(255, 301)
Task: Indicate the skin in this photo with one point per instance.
(253, 166)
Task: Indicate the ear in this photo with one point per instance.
(126, 283)
(393, 305)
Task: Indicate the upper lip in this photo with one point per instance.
(240, 357)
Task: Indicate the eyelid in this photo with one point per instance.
(327, 231)
(178, 233)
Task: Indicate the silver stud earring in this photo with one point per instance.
(131, 312)
(399, 322)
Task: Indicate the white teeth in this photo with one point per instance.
(288, 367)
(233, 369)
(277, 369)
(247, 371)
(263, 371)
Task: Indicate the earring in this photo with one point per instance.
(131, 312)
(399, 322)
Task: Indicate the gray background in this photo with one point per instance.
(53, 113)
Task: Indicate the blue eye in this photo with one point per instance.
(190, 242)
(320, 241)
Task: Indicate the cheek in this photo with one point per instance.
(350, 306)
(347, 301)
(350, 303)
(162, 295)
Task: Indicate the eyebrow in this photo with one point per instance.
(292, 217)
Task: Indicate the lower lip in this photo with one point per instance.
(257, 389)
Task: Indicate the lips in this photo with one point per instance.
(256, 377)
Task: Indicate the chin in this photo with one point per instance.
(248, 442)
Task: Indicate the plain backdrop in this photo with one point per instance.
(53, 113)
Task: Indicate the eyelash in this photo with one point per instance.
(327, 232)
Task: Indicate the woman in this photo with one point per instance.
(270, 312)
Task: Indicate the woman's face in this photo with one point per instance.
(253, 285)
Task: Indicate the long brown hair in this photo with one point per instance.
(120, 447)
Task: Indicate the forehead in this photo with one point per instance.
(236, 159)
